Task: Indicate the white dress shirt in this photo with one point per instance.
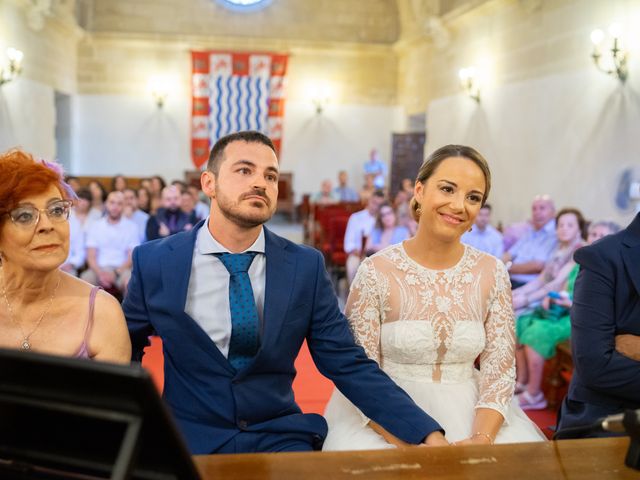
(488, 240)
(113, 242)
(208, 292)
(359, 225)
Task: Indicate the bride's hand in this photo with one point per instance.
(474, 440)
(435, 439)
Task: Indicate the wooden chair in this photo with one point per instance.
(561, 371)
(285, 195)
(337, 257)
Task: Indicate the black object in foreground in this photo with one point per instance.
(78, 419)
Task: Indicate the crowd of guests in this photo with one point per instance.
(426, 304)
(106, 225)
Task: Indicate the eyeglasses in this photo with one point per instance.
(28, 216)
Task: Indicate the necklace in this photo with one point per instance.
(25, 345)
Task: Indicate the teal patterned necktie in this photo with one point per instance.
(244, 314)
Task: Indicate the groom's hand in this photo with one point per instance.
(435, 439)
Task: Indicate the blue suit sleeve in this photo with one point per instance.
(359, 378)
(593, 330)
(135, 311)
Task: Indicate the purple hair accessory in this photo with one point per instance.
(57, 168)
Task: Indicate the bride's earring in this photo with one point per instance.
(419, 210)
(470, 228)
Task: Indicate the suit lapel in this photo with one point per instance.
(631, 255)
(176, 268)
(280, 276)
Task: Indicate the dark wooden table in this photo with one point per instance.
(596, 459)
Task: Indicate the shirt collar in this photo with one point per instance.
(206, 244)
(550, 226)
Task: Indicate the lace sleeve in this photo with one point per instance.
(497, 361)
(363, 310)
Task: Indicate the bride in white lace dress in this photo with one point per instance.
(426, 309)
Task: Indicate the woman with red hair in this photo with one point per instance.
(41, 307)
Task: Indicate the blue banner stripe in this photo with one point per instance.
(219, 106)
(239, 103)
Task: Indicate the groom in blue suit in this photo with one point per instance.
(233, 304)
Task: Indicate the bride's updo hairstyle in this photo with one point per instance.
(433, 161)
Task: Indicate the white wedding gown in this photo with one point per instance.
(426, 328)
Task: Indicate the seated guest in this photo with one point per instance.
(169, 219)
(483, 236)
(514, 232)
(44, 309)
(188, 206)
(358, 229)
(180, 185)
(98, 197)
(367, 189)
(133, 213)
(77, 249)
(605, 331)
(73, 182)
(526, 259)
(569, 237)
(118, 183)
(82, 211)
(402, 206)
(325, 196)
(156, 186)
(537, 342)
(109, 245)
(202, 208)
(386, 231)
(144, 199)
(343, 192)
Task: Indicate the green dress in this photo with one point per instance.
(543, 329)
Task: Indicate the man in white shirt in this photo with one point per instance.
(526, 259)
(133, 213)
(110, 242)
(483, 236)
(358, 229)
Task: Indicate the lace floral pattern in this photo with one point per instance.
(431, 325)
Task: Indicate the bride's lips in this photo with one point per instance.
(451, 219)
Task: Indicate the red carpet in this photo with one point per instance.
(312, 390)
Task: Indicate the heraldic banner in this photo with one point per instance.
(233, 92)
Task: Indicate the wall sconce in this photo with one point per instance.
(618, 56)
(320, 96)
(13, 68)
(470, 82)
(159, 89)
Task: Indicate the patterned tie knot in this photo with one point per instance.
(237, 262)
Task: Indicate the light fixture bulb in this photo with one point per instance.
(615, 30)
(597, 36)
(14, 55)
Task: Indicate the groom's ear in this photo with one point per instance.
(208, 183)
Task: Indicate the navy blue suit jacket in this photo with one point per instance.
(210, 401)
(606, 303)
